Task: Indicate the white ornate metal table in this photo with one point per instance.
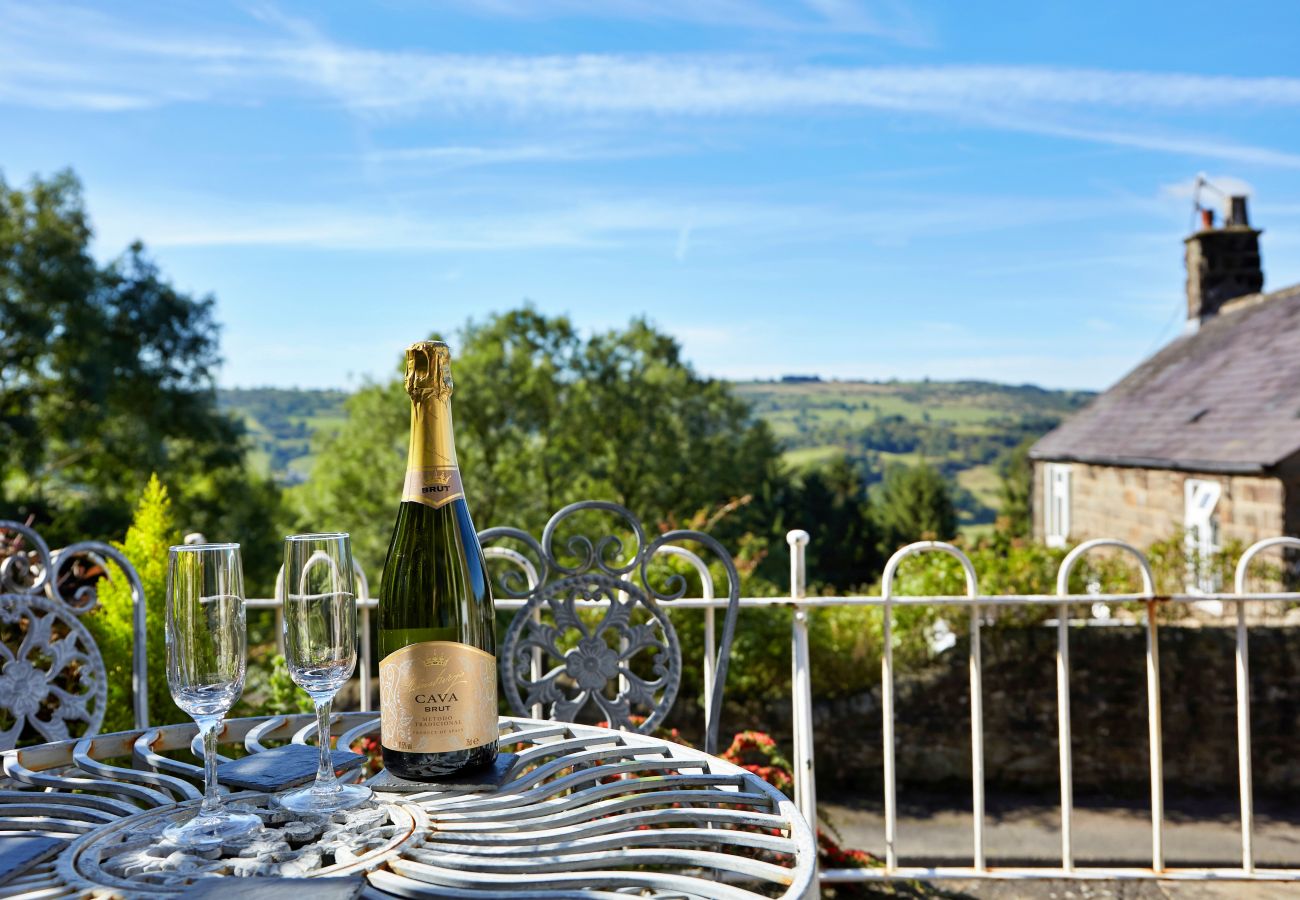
(582, 812)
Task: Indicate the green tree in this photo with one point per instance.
(658, 438)
(1015, 476)
(113, 625)
(913, 503)
(517, 428)
(545, 417)
(106, 375)
(831, 504)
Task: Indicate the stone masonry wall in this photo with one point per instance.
(1146, 505)
(1108, 714)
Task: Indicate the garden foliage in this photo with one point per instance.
(106, 376)
(152, 531)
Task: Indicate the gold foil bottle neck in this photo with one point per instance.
(428, 371)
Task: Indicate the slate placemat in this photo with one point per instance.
(346, 888)
(19, 852)
(281, 767)
(483, 780)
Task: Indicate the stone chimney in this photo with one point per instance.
(1222, 263)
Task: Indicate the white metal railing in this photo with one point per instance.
(804, 607)
(1063, 703)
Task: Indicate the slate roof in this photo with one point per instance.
(1225, 398)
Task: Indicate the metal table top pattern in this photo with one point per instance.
(584, 812)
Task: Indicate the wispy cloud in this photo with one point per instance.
(561, 221)
(894, 20)
(465, 156)
(59, 57)
(693, 86)
(891, 20)
(1181, 144)
(684, 239)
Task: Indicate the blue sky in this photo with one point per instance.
(848, 187)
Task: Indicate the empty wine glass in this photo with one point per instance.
(320, 647)
(206, 649)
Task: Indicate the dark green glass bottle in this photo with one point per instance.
(437, 639)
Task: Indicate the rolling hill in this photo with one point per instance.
(282, 422)
(962, 427)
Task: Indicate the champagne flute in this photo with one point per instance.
(320, 647)
(206, 649)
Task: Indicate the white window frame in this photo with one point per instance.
(1056, 504)
(1201, 532)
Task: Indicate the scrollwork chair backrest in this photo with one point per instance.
(593, 628)
(51, 671)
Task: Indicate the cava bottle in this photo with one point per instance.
(437, 641)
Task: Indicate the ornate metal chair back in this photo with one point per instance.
(593, 630)
(51, 672)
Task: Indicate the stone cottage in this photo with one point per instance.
(1205, 435)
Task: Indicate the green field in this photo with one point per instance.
(964, 428)
(282, 423)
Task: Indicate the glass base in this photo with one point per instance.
(207, 830)
(313, 800)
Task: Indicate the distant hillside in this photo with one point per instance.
(962, 427)
(281, 422)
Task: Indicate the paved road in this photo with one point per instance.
(1023, 832)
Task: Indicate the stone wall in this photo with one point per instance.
(1108, 714)
(1142, 506)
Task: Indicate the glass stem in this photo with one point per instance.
(209, 727)
(326, 783)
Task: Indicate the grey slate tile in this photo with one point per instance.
(281, 767)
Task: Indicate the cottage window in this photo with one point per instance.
(1056, 509)
(1201, 538)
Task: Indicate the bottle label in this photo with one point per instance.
(433, 486)
(437, 696)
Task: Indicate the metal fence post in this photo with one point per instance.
(279, 611)
(710, 623)
(805, 780)
(1063, 734)
(363, 601)
(887, 713)
(887, 699)
(1153, 699)
(1243, 698)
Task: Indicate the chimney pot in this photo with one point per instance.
(1207, 219)
(1237, 212)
